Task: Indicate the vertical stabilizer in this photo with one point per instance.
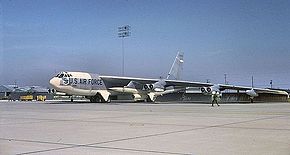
(176, 68)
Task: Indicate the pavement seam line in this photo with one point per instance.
(152, 135)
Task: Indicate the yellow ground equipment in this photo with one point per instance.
(26, 98)
(41, 98)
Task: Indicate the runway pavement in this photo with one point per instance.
(141, 128)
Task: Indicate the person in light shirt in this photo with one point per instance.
(214, 98)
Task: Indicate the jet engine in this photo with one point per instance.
(206, 90)
(148, 86)
(210, 90)
(157, 86)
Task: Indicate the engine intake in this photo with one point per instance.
(210, 90)
(157, 86)
(203, 90)
(148, 87)
(206, 90)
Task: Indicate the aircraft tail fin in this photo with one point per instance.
(176, 67)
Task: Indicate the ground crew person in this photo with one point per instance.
(214, 99)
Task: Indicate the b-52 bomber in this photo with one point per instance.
(99, 88)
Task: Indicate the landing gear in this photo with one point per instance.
(95, 99)
(148, 99)
(109, 100)
(71, 99)
(99, 99)
(252, 99)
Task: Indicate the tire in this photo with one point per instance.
(149, 100)
(109, 100)
(94, 99)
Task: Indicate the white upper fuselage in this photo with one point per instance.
(88, 84)
(77, 83)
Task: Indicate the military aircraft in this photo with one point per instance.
(99, 88)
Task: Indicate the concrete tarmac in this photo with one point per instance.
(52, 127)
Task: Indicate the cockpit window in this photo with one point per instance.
(63, 74)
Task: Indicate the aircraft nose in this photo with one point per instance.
(54, 82)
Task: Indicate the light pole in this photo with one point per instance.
(123, 32)
(271, 83)
(225, 78)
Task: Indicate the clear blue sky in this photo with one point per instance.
(240, 38)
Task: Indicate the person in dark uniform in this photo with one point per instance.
(214, 99)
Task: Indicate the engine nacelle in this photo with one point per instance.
(251, 93)
(148, 87)
(215, 89)
(206, 90)
(157, 86)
